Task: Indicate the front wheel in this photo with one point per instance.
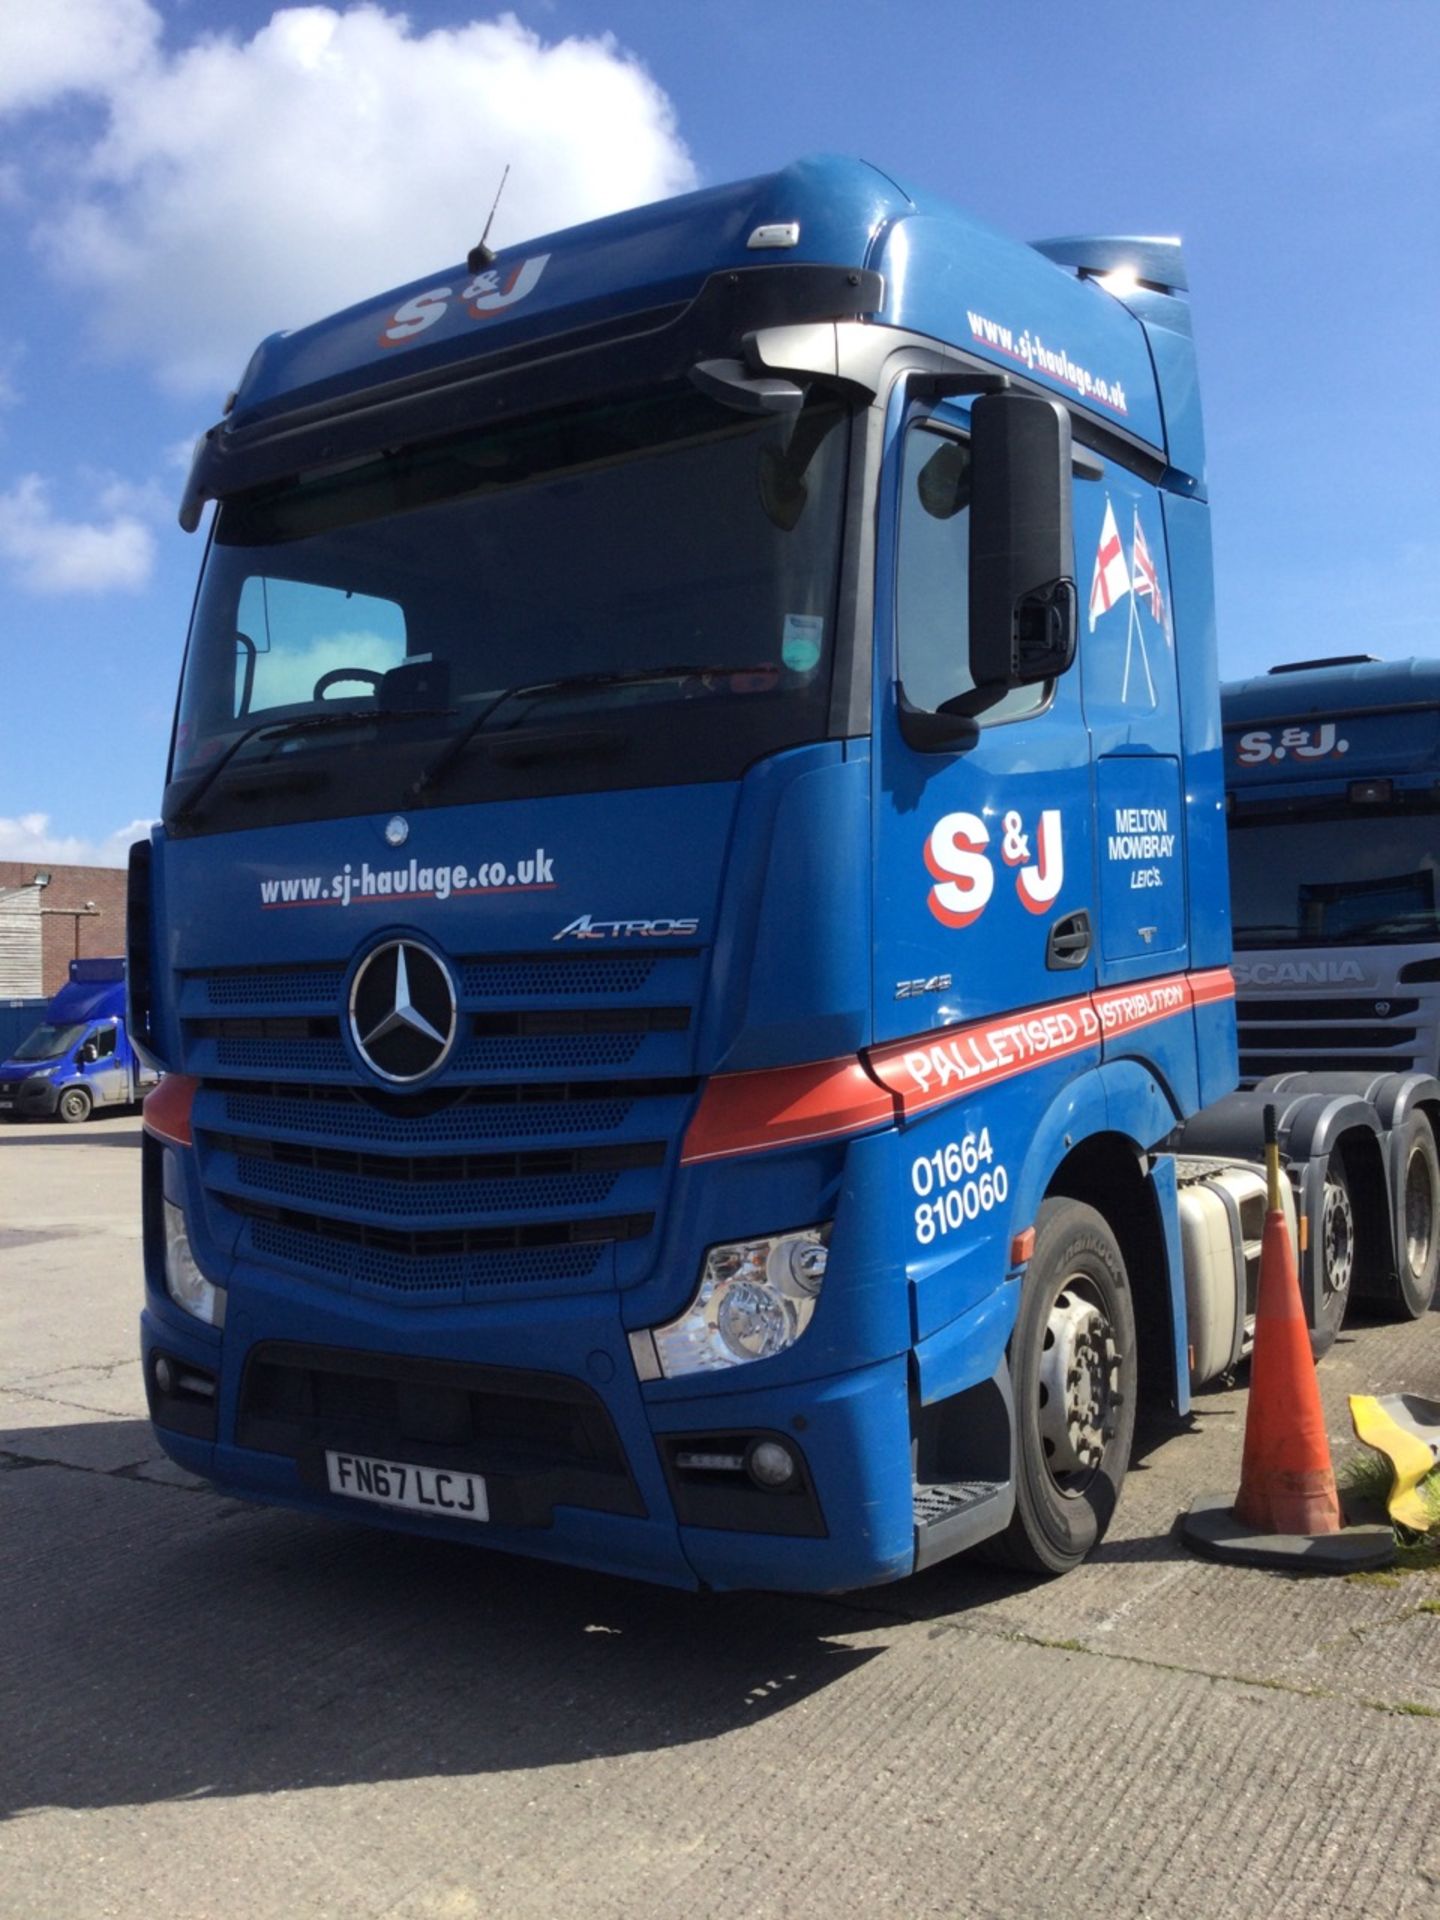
(74, 1105)
(1074, 1371)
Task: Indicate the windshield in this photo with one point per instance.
(408, 594)
(1361, 876)
(48, 1043)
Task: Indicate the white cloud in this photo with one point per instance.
(31, 837)
(49, 555)
(176, 458)
(243, 187)
(61, 47)
(143, 499)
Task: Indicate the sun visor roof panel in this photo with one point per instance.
(945, 276)
(633, 262)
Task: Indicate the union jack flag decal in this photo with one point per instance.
(1145, 582)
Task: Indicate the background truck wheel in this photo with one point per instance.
(1419, 1249)
(1073, 1368)
(1337, 1257)
(74, 1105)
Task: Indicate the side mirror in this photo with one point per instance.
(1023, 600)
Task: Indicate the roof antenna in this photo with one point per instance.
(481, 255)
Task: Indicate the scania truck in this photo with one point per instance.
(79, 1058)
(689, 932)
(1332, 773)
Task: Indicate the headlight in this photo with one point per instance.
(755, 1299)
(184, 1282)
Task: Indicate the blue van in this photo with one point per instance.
(79, 1057)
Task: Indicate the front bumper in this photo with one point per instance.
(579, 1464)
(34, 1099)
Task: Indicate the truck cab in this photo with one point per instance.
(691, 897)
(79, 1059)
(1332, 772)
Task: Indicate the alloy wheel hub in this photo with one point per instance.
(1078, 1367)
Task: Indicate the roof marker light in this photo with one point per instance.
(780, 233)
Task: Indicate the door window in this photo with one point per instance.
(932, 596)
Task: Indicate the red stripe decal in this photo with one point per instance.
(166, 1112)
(1218, 984)
(785, 1107)
(935, 1067)
(825, 1099)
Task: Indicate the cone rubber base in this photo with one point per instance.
(1210, 1528)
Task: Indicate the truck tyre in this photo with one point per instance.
(1337, 1257)
(1073, 1368)
(1419, 1196)
(74, 1105)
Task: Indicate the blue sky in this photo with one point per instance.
(179, 177)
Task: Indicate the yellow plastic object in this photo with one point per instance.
(1406, 1430)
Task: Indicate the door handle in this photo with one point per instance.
(1069, 941)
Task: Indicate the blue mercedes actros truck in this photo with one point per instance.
(690, 921)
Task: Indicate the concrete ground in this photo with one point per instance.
(229, 1714)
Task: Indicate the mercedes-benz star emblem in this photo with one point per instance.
(402, 1011)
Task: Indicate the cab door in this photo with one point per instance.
(983, 903)
(1129, 683)
(983, 857)
(1127, 657)
(104, 1073)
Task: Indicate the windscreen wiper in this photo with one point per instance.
(280, 729)
(541, 689)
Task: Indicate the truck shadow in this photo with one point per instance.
(164, 1642)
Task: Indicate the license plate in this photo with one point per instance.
(400, 1483)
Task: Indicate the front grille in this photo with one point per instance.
(1318, 1039)
(1346, 1007)
(522, 1053)
(422, 1244)
(1337, 1033)
(537, 1160)
(275, 986)
(434, 1169)
(479, 1113)
(532, 976)
(1260, 1066)
(437, 1279)
(456, 1186)
(243, 1054)
(440, 1197)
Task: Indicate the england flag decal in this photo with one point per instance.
(1111, 580)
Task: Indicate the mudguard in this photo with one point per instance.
(1395, 1097)
(1311, 1122)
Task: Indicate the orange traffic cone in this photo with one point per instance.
(1287, 1484)
(1287, 1512)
